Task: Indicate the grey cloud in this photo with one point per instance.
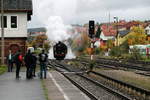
(99, 9)
(85, 6)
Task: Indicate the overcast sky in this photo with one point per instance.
(81, 11)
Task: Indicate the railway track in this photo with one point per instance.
(120, 59)
(128, 65)
(136, 92)
(94, 89)
(108, 63)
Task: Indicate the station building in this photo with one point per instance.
(16, 15)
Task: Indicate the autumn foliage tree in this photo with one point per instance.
(40, 41)
(81, 43)
(136, 36)
(110, 44)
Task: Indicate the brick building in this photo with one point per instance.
(16, 15)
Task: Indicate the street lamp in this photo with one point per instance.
(117, 36)
(2, 32)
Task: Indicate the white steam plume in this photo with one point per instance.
(53, 14)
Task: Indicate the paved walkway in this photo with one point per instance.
(59, 88)
(22, 89)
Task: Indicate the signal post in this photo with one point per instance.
(91, 35)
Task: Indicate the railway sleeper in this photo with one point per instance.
(128, 87)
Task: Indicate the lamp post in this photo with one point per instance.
(2, 32)
(117, 36)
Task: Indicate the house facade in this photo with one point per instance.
(147, 31)
(16, 15)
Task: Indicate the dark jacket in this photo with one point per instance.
(34, 59)
(16, 58)
(28, 59)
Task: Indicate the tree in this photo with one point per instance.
(47, 46)
(110, 43)
(136, 36)
(135, 54)
(81, 43)
(98, 32)
(40, 41)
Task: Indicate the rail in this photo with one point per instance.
(130, 86)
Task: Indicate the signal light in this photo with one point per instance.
(91, 28)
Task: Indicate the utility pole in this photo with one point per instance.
(2, 32)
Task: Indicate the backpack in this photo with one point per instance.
(20, 58)
(43, 57)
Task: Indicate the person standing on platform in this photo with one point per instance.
(34, 63)
(28, 59)
(10, 61)
(18, 59)
(43, 58)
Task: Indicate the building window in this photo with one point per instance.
(5, 21)
(13, 21)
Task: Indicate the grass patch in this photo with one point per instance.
(138, 82)
(45, 90)
(129, 77)
(3, 69)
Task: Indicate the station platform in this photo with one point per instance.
(20, 89)
(59, 88)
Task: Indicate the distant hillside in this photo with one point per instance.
(41, 29)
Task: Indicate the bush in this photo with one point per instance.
(97, 50)
(115, 51)
(135, 54)
(92, 65)
(37, 51)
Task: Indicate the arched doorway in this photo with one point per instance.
(14, 48)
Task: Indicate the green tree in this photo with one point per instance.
(98, 32)
(135, 54)
(115, 51)
(97, 23)
(124, 47)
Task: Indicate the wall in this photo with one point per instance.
(15, 38)
(14, 44)
(21, 30)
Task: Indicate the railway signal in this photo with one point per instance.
(91, 35)
(91, 28)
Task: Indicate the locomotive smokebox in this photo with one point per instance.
(60, 50)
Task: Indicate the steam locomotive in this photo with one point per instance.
(60, 51)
